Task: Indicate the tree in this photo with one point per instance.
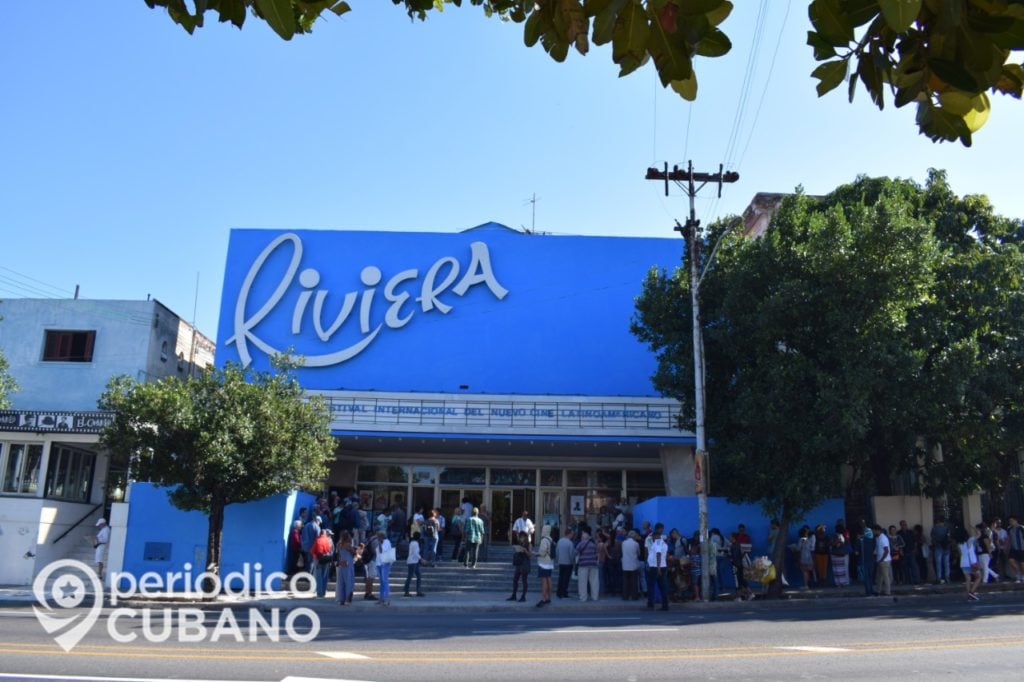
(811, 363)
(7, 383)
(945, 56)
(970, 332)
(225, 436)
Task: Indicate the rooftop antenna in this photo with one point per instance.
(533, 214)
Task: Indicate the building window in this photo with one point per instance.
(20, 472)
(69, 475)
(68, 346)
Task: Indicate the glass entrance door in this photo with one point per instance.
(501, 515)
(506, 507)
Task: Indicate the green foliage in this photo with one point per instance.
(863, 329)
(943, 55)
(228, 435)
(930, 52)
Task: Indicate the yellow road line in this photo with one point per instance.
(723, 653)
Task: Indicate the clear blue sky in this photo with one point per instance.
(128, 148)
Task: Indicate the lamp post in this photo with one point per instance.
(689, 231)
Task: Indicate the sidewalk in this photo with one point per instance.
(489, 601)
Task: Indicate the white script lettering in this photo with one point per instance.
(434, 284)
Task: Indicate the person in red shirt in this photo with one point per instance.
(322, 552)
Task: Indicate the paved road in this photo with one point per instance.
(837, 639)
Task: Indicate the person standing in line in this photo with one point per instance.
(369, 561)
(310, 533)
(805, 548)
(983, 548)
(346, 559)
(586, 565)
(1000, 546)
(294, 548)
(910, 552)
(322, 552)
(883, 561)
(384, 559)
(430, 532)
(630, 567)
(101, 545)
(565, 553)
(523, 525)
(521, 565)
(867, 558)
(840, 561)
(657, 568)
(457, 524)
(940, 549)
(474, 535)
(736, 559)
(545, 564)
(412, 564)
(1015, 547)
(442, 531)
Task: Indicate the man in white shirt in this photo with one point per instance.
(657, 568)
(883, 562)
(523, 525)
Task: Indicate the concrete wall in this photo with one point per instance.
(28, 528)
(253, 532)
(890, 510)
(129, 339)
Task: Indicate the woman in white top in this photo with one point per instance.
(384, 558)
(969, 564)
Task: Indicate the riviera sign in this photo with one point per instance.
(311, 306)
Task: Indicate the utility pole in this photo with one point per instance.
(690, 233)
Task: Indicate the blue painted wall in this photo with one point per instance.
(681, 513)
(253, 532)
(562, 328)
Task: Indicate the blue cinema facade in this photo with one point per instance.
(487, 364)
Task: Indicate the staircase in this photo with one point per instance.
(493, 575)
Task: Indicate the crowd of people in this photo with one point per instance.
(335, 539)
(879, 557)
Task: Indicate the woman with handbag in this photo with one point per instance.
(521, 563)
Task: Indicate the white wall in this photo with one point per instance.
(19, 534)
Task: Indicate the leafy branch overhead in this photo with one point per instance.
(944, 55)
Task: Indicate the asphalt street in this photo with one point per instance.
(942, 636)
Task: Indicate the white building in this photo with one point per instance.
(54, 479)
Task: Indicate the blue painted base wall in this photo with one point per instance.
(681, 513)
(253, 532)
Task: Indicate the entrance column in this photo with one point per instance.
(677, 466)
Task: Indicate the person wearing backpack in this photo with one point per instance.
(310, 533)
(545, 564)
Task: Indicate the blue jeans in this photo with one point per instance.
(941, 558)
(322, 572)
(661, 579)
(413, 570)
(430, 550)
(384, 573)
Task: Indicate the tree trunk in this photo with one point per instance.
(779, 558)
(215, 533)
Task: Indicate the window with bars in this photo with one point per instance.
(68, 346)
